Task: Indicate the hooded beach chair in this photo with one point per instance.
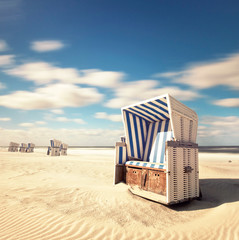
(158, 158)
(23, 148)
(30, 147)
(63, 149)
(55, 147)
(13, 147)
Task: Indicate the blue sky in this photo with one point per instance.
(67, 67)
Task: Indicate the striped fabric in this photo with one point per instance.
(121, 153)
(145, 164)
(158, 134)
(55, 143)
(152, 111)
(136, 134)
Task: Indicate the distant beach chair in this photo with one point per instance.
(55, 147)
(159, 159)
(23, 147)
(63, 149)
(13, 147)
(30, 147)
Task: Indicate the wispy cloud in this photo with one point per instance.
(6, 119)
(131, 92)
(32, 124)
(214, 130)
(2, 86)
(42, 135)
(3, 45)
(44, 73)
(51, 96)
(26, 124)
(6, 60)
(75, 120)
(57, 111)
(209, 74)
(111, 117)
(227, 102)
(46, 46)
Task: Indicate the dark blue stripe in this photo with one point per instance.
(163, 103)
(120, 155)
(156, 112)
(156, 143)
(146, 117)
(147, 112)
(136, 137)
(152, 109)
(157, 106)
(142, 132)
(130, 134)
(164, 140)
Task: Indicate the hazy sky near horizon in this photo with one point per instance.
(67, 67)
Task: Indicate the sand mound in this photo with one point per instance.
(72, 197)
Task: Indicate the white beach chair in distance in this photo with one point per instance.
(30, 147)
(64, 149)
(159, 159)
(23, 148)
(13, 147)
(55, 147)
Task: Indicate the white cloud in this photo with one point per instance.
(64, 119)
(132, 92)
(100, 78)
(40, 122)
(227, 102)
(2, 86)
(6, 60)
(74, 137)
(51, 96)
(57, 111)
(44, 73)
(5, 119)
(3, 46)
(205, 75)
(218, 130)
(45, 46)
(26, 124)
(111, 117)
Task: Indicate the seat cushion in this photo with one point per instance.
(145, 164)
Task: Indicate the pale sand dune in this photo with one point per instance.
(72, 197)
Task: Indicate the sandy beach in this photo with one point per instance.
(73, 197)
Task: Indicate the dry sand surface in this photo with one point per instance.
(72, 197)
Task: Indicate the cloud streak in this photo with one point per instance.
(111, 117)
(42, 135)
(44, 73)
(46, 46)
(214, 130)
(227, 102)
(51, 96)
(6, 60)
(130, 92)
(223, 72)
(3, 45)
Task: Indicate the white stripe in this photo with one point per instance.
(147, 142)
(133, 135)
(140, 136)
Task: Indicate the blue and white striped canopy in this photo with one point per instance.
(151, 111)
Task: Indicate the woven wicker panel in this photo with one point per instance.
(182, 185)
